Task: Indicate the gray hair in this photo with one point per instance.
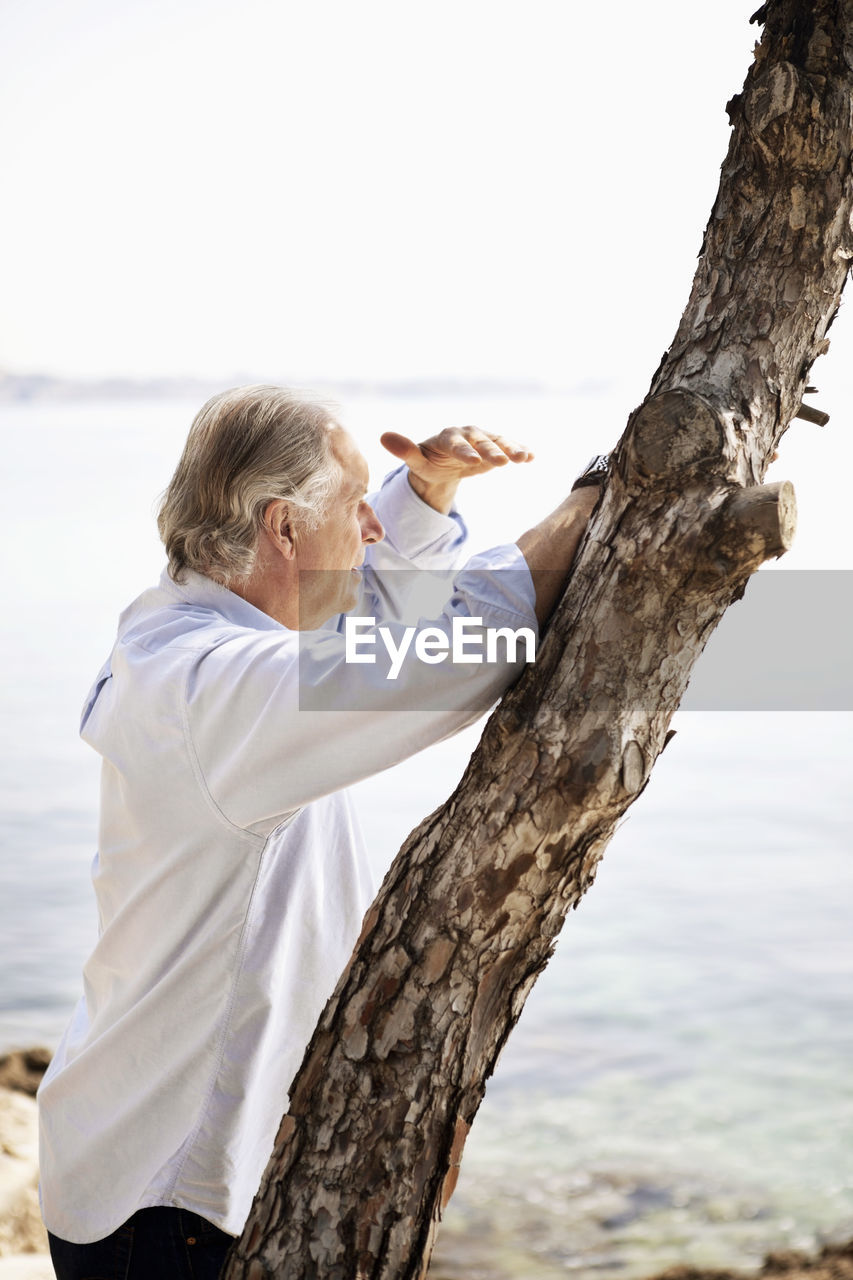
(246, 448)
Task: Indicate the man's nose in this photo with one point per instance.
(371, 527)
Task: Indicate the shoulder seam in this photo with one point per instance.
(198, 772)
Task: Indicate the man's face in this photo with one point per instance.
(328, 557)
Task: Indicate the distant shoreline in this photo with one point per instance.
(27, 388)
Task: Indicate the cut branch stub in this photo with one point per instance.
(633, 768)
(808, 414)
(756, 524)
(674, 433)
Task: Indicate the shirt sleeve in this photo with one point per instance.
(416, 535)
(409, 574)
(279, 718)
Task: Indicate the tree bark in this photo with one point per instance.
(369, 1152)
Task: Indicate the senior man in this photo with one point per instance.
(230, 877)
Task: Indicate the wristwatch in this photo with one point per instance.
(595, 471)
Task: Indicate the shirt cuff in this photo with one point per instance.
(413, 528)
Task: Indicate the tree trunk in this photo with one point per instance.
(467, 917)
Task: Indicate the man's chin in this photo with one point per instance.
(353, 590)
(351, 602)
(346, 596)
(349, 598)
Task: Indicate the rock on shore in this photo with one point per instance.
(23, 1243)
(834, 1262)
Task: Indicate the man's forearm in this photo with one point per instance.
(549, 547)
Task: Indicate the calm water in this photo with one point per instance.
(678, 1088)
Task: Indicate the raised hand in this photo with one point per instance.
(438, 464)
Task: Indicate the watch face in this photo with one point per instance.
(594, 471)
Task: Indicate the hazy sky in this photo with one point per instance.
(464, 187)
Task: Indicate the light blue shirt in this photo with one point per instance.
(231, 878)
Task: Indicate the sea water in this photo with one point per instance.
(678, 1088)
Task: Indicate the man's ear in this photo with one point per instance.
(278, 525)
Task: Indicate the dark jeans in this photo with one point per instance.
(155, 1244)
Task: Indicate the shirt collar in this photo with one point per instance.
(198, 589)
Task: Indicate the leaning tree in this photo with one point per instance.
(466, 919)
